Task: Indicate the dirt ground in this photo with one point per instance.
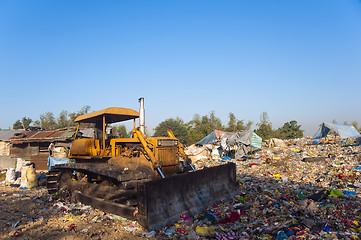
(298, 191)
(33, 214)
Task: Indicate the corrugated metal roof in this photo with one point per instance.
(7, 134)
(41, 136)
(47, 134)
(67, 134)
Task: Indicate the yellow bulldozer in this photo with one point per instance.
(147, 179)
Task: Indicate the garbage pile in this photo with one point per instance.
(303, 190)
(299, 190)
(35, 214)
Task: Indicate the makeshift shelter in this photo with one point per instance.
(211, 138)
(344, 131)
(228, 140)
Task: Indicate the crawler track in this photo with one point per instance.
(102, 186)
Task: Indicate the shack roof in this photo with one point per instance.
(7, 134)
(112, 115)
(41, 136)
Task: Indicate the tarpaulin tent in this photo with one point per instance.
(256, 140)
(211, 138)
(344, 131)
(217, 135)
(227, 140)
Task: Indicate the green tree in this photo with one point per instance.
(47, 121)
(232, 123)
(23, 123)
(249, 124)
(265, 130)
(74, 115)
(177, 126)
(26, 122)
(37, 123)
(62, 120)
(235, 125)
(290, 130)
(120, 131)
(199, 127)
(17, 125)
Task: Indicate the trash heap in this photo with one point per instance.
(35, 214)
(303, 190)
(300, 190)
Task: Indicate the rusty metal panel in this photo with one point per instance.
(40, 161)
(24, 150)
(162, 201)
(47, 134)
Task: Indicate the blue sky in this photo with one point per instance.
(296, 60)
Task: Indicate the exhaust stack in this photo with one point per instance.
(142, 115)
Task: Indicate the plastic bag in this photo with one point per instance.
(32, 181)
(24, 180)
(10, 176)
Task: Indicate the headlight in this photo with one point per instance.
(175, 143)
(159, 142)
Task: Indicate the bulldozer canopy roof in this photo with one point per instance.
(112, 115)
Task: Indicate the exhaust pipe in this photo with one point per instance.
(142, 115)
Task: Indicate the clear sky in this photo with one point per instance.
(296, 60)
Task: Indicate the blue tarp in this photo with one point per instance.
(344, 131)
(55, 161)
(209, 139)
(216, 135)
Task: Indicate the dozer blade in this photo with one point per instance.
(161, 202)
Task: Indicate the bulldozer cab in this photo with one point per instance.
(99, 146)
(161, 152)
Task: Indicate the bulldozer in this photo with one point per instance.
(147, 179)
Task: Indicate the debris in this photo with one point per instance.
(279, 196)
(205, 230)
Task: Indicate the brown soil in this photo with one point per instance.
(35, 215)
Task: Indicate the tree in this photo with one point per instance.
(176, 125)
(290, 130)
(120, 131)
(235, 125)
(249, 124)
(47, 121)
(199, 127)
(37, 124)
(62, 120)
(17, 125)
(26, 122)
(23, 124)
(74, 115)
(232, 123)
(264, 130)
